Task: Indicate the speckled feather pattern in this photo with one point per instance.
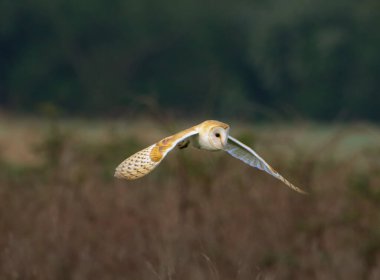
(143, 162)
(137, 165)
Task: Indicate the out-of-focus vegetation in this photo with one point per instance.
(314, 59)
(198, 216)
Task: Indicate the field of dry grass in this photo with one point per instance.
(199, 215)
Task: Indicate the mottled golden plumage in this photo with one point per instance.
(208, 135)
(143, 162)
(137, 165)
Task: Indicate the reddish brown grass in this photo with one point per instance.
(198, 216)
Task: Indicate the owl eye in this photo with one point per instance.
(217, 135)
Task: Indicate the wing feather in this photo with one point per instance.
(144, 161)
(240, 151)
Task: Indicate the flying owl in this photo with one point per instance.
(209, 135)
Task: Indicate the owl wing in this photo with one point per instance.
(238, 150)
(144, 161)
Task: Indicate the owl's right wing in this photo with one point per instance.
(144, 161)
(238, 150)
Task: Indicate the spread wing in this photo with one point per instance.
(238, 150)
(144, 161)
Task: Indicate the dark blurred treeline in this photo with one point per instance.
(313, 59)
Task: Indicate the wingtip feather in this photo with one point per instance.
(293, 187)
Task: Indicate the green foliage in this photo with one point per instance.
(318, 59)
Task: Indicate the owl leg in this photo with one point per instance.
(183, 144)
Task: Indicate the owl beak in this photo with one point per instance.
(223, 141)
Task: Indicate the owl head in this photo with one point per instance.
(213, 135)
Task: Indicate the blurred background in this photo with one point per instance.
(84, 84)
(243, 59)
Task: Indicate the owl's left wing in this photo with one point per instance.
(238, 150)
(144, 161)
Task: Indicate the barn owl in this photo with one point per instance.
(209, 135)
